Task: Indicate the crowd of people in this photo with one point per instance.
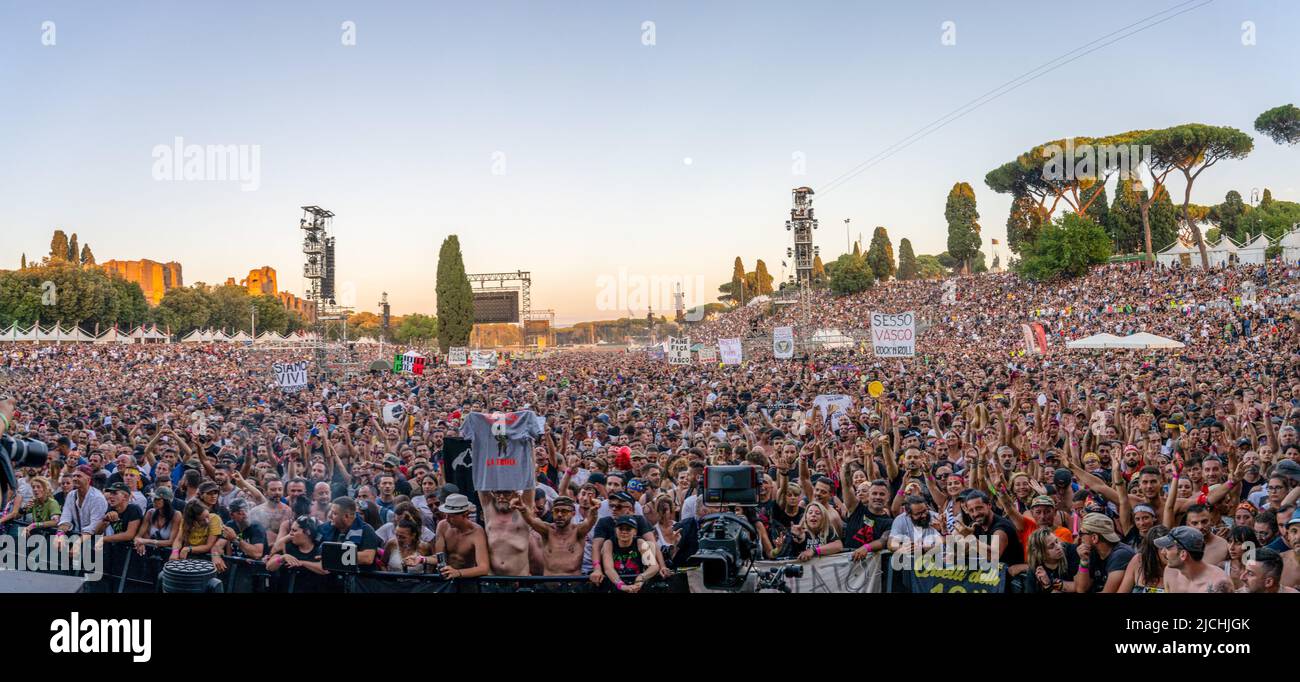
(1078, 471)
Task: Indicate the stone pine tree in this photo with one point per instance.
(963, 230)
(455, 298)
(1280, 124)
(87, 256)
(1191, 149)
(880, 255)
(59, 246)
(74, 250)
(907, 267)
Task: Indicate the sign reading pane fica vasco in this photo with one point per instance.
(679, 351)
(291, 376)
(893, 335)
(783, 343)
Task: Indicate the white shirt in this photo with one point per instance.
(86, 518)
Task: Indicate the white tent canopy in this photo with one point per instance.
(1253, 252)
(1290, 243)
(1174, 253)
(1138, 341)
(1147, 340)
(1223, 252)
(1102, 340)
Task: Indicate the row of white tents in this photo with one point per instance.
(1226, 251)
(220, 336)
(1139, 341)
(59, 334)
(56, 333)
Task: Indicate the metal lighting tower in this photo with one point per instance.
(317, 247)
(801, 224)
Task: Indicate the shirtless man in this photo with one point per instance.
(1291, 557)
(464, 542)
(1183, 550)
(562, 541)
(1263, 574)
(507, 532)
(1216, 548)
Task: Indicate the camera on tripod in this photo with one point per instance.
(729, 542)
(18, 453)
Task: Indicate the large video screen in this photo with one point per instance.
(496, 306)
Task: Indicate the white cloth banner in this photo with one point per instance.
(783, 343)
(483, 359)
(893, 335)
(457, 356)
(291, 376)
(394, 413)
(835, 574)
(729, 350)
(679, 351)
(708, 354)
(832, 404)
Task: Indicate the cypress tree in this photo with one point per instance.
(455, 297)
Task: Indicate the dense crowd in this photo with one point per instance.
(1079, 471)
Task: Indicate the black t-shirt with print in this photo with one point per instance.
(627, 560)
(124, 519)
(863, 527)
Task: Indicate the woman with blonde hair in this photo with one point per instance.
(43, 509)
(813, 536)
(1052, 563)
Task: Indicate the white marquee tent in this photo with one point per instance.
(1290, 243)
(1175, 254)
(1222, 253)
(1253, 251)
(1102, 340)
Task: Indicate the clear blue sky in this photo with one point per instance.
(397, 133)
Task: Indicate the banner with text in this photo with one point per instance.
(483, 359)
(679, 351)
(834, 574)
(291, 376)
(730, 352)
(708, 354)
(783, 343)
(940, 580)
(458, 356)
(893, 335)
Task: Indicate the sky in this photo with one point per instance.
(589, 143)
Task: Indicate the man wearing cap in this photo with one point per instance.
(463, 541)
(1291, 558)
(83, 507)
(122, 519)
(241, 536)
(1103, 558)
(1183, 550)
(562, 541)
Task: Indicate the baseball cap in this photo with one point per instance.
(622, 497)
(1295, 518)
(596, 478)
(118, 487)
(636, 485)
(1103, 526)
(563, 501)
(1042, 501)
(626, 520)
(392, 461)
(1062, 478)
(1186, 537)
(1287, 468)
